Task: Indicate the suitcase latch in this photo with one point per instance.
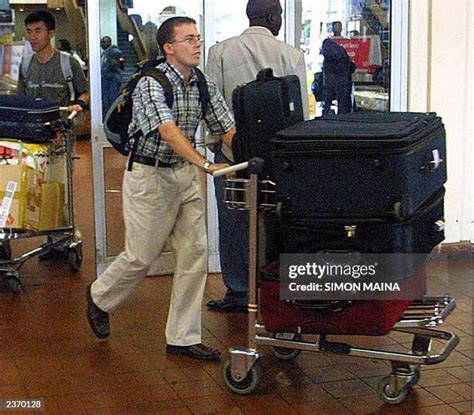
(351, 231)
(439, 225)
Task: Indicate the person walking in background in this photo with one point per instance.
(162, 194)
(41, 74)
(337, 30)
(51, 74)
(65, 46)
(111, 72)
(337, 74)
(233, 62)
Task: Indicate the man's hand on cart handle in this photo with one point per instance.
(74, 108)
(254, 165)
(211, 168)
(228, 170)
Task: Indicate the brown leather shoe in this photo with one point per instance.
(98, 319)
(196, 351)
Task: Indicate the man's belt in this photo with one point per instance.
(150, 161)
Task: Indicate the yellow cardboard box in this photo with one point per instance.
(25, 207)
(51, 206)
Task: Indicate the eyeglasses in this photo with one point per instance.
(190, 40)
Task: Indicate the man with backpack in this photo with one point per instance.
(50, 73)
(162, 195)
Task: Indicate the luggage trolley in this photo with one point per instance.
(242, 373)
(66, 237)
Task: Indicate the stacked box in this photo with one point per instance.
(51, 206)
(24, 210)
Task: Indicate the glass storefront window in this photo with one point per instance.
(230, 19)
(366, 37)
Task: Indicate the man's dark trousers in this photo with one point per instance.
(233, 243)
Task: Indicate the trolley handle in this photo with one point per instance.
(231, 169)
(71, 116)
(254, 165)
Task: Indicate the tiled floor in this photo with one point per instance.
(47, 350)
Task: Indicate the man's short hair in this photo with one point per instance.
(41, 16)
(257, 9)
(166, 30)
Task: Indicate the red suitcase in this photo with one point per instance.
(371, 318)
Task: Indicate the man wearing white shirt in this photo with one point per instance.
(233, 62)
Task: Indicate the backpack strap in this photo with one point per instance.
(164, 82)
(65, 59)
(25, 64)
(204, 96)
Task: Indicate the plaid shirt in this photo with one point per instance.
(150, 111)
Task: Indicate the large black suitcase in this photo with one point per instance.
(359, 165)
(27, 118)
(261, 108)
(418, 234)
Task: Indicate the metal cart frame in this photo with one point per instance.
(65, 237)
(242, 373)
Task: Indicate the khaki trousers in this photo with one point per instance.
(159, 203)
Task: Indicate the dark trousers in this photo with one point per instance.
(233, 242)
(339, 88)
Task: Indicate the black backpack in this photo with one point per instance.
(318, 86)
(119, 115)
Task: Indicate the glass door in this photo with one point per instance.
(373, 32)
(131, 26)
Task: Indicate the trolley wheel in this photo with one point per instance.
(388, 395)
(13, 284)
(285, 353)
(5, 250)
(245, 386)
(415, 377)
(74, 258)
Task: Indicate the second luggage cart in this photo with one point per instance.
(29, 190)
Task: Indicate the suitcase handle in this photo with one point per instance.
(265, 74)
(332, 306)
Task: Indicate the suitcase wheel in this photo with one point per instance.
(245, 386)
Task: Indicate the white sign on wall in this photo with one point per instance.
(17, 54)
